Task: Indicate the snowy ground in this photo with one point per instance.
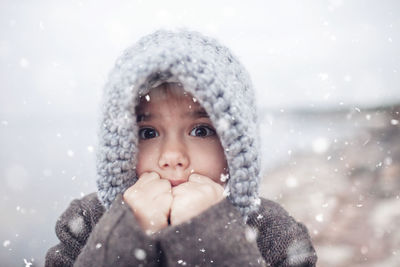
(337, 172)
(345, 187)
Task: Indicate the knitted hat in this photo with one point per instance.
(208, 71)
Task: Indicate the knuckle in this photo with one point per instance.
(207, 189)
(149, 175)
(131, 193)
(165, 183)
(154, 175)
(128, 192)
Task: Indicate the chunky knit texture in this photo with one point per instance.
(213, 76)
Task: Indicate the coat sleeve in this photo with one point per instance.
(217, 237)
(73, 228)
(118, 240)
(90, 236)
(281, 240)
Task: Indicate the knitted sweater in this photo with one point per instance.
(91, 236)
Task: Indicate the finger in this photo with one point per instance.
(147, 177)
(156, 187)
(211, 189)
(198, 178)
(164, 202)
(182, 188)
(195, 177)
(149, 190)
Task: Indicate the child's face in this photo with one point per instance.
(176, 138)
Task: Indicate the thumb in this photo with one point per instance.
(200, 178)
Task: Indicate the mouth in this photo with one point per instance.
(175, 177)
(176, 180)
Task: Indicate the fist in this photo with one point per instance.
(150, 199)
(193, 197)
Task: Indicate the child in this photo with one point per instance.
(178, 168)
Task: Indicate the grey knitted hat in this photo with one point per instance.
(208, 71)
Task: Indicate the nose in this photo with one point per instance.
(173, 156)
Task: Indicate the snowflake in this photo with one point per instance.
(298, 252)
(6, 243)
(319, 217)
(24, 63)
(76, 225)
(226, 192)
(224, 177)
(323, 76)
(320, 145)
(250, 234)
(291, 182)
(140, 254)
(182, 262)
(70, 153)
(223, 124)
(27, 263)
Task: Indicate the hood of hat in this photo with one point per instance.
(207, 70)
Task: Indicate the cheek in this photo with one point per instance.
(146, 159)
(209, 160)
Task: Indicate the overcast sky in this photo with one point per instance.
(55, 55)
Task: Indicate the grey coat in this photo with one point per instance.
(91, 236)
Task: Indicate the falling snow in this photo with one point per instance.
(223, 125)
(140, 254)
(319, 217)
(6, 243)
(76, 225)
(291, 181)
(24, 63)
(182, 262)
(224, 177)
(70, 153)
(320, 145)
(27, 263)
(226, 192)
(346, 177)
(250, 234)
(335, 171)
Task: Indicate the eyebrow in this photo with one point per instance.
(146, 116)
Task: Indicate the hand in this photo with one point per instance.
(150, 199)
(193, 197)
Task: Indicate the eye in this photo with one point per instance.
(202, 131)
(147, 133)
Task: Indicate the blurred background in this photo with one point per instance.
(327, 82)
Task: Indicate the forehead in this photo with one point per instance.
(168, 94)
